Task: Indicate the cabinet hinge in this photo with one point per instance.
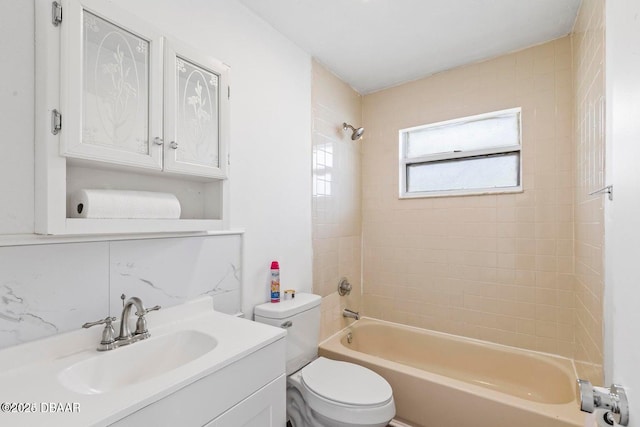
(228, 92)
(229, 159)
(56, 121)
(56, 13)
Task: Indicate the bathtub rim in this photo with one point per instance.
(567, 411)
(509, 348)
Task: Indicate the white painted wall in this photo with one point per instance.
(16, 117)
(622, 216)
(270, 132)
(270, 129)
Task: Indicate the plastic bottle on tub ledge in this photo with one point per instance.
(275, 281)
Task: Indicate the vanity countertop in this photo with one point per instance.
(36, 389)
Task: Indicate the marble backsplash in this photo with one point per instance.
(53, 288)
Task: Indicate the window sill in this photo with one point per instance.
(461, 193)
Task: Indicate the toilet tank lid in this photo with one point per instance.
(283, 309)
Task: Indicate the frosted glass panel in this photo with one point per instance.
(497, 131)
(197, 121)
(463, 174)
(115, 75)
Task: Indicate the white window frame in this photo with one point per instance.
(405, 162)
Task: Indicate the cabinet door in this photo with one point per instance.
(264, 408)
(195, 112)
(111, 89)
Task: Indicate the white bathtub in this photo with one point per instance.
(442, 380)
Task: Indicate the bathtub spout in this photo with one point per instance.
(352, 314)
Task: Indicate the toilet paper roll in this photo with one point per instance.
(596, 419)
(120, 204)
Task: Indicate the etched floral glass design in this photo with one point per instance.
(115, 99)
(197, 121)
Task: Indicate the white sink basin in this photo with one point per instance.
(137, 362)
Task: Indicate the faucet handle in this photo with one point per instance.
(108, 333)
(146, 310)
(141, 323)
(106, 320)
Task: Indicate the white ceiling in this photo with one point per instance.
(373, 44)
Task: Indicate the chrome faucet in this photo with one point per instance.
(350, 313)
(109, 342)
(141, 324)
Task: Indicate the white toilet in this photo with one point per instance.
(323, 392)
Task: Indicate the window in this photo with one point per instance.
(471, 155)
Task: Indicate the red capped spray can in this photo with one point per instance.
(275, 281)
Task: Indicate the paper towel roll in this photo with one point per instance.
(119, 204)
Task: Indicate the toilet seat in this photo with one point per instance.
(346, 383)
(346, 392)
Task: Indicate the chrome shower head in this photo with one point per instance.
(357, 133)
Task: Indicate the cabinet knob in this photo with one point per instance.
(158, 141)
(174, 145)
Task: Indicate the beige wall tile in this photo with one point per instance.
(504, 253)
(519, 269)
(337, 196)
(589, 92)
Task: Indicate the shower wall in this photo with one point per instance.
(589, 130)
(493, 267)
(336, 196)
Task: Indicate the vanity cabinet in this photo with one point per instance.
(123, 105)
(264, 408)
(250, 392)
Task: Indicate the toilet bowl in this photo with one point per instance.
(339, 394)
(322, 392)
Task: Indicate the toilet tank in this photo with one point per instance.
(300, 316)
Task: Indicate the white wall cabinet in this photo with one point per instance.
(196, 112)
(111, 86)
(140, 111)
(119, 110)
